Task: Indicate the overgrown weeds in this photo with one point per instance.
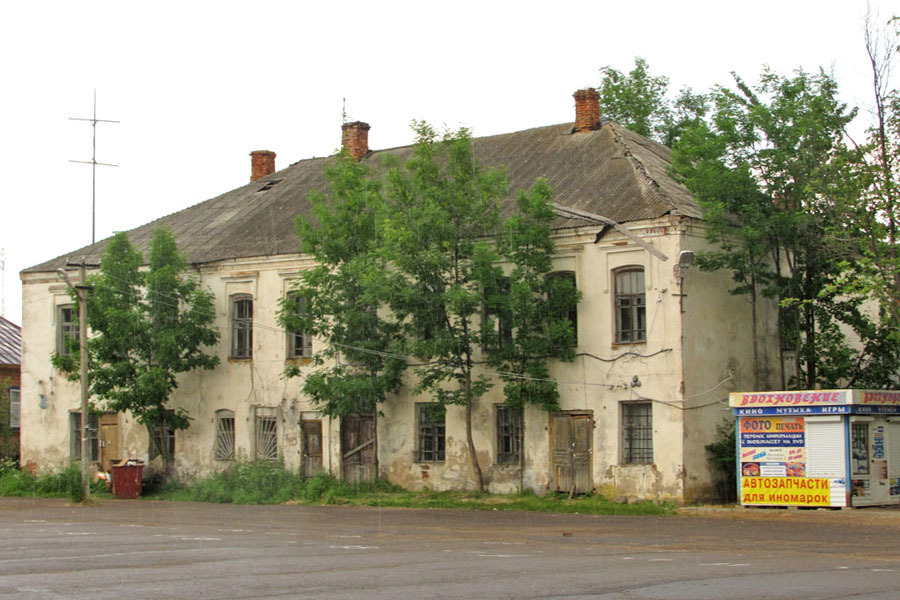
(271, 483)
(64, 483)
(267, 482)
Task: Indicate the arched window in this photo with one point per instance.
(631, 310)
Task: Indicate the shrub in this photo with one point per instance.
(722, 459)
(65, 483)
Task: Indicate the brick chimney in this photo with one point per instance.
(262, 163)
(355, 138)
(587, 110)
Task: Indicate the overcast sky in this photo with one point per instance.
(198, 85)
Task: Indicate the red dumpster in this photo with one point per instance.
(126, 479)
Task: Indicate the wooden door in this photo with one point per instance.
(570, 451)
(109, 440)
(358, 448)
(312, 447)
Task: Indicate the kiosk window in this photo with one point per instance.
(860, 446)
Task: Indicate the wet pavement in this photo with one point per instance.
(144, 549)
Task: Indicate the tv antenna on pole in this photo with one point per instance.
(93, 162)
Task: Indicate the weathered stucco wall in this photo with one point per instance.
(603, 377)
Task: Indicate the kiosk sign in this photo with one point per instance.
(785, 491)
(772, 432)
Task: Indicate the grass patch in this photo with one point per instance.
(64, 483)
(270, 483)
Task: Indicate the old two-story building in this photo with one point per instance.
(659, 344)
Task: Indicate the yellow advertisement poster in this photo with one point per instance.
(785, 491)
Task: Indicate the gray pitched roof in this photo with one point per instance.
(10, 343)
(610, 171)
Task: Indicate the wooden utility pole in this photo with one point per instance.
(81, 291)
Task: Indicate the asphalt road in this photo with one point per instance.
(157, 550)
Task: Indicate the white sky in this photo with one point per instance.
(198, 85)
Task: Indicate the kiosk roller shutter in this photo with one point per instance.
(825, 447)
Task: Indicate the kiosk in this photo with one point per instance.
(831, 448)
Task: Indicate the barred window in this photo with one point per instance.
(224, 448)
(637, 433)
(266, 438)
(241, 327)
(631, 311)
(509, 435)
(431, 419)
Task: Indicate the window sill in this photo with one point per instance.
(615, 345)
(239, 359)
(299, 361)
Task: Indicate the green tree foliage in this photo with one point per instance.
(639, 101)
(770, 168)
(869, 223)
(147, 327)
(528, 316)
(338, 300)
(442, 208)
(409, 263)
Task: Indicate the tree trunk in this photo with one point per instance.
(479, 477)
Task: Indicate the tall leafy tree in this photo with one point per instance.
(869, 223)
(442, 209)
(529, 317)
(339, 299)
(770, 167)
(147, 327)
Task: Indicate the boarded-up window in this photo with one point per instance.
(431, 418)
(224, 448)
(637, 433)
